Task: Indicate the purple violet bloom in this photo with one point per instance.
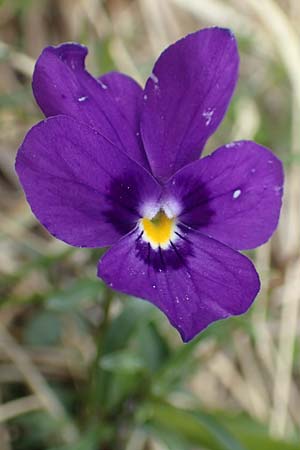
(115, 165)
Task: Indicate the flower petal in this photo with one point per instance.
(80, 186)
(195, 282)
(233, 195)
(186, 98)
(112, 104)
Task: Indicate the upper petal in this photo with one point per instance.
(233, 195)
(195, 282)
(111, 104)
(80, 186)
(186, 98)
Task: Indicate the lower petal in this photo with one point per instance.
(195, 282)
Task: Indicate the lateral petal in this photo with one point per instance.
(233, 195)
(80, 186)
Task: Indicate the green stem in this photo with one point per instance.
(107, 300)
(95, 367)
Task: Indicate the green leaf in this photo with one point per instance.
(122, 328)
(192, 427)
(123, 374)
(256, 441)
(91, 439)
(112, 386)
(152, 348)
(176, 367)
(121, 390)
(251, 434)
(170, 440)
(75, 296)
(181, 364)
(44, 328)
(212, 432)
(36, 429)
(220, 432)
(122, 361)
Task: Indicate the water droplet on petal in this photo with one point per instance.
(83, 98)
(154, 78)
(230, 145)
(208, 116)
(103, 85)
(236, 193)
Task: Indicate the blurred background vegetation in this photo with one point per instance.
(82, 368)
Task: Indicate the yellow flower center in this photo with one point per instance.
(158, 231)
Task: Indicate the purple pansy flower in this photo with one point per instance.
(118, 166)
